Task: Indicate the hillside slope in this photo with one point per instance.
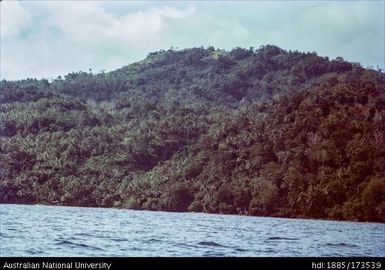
(259, 132)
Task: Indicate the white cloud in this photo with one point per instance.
(354, 30)
(66, 38)
(50, 38)
(14, 18)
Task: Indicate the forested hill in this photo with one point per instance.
(259, 132)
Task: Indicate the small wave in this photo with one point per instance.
(115, 239)
(340, 245)
(281, 238)
(73, 244)
(185, 245)
(152, 240)
(118, 239)
(240, 249)
(134, 249)
(69, 239)
(213, 254)
(34, 251)
(84, 234)
(270, 250)
(210, 243)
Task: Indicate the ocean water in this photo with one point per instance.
(37, 230)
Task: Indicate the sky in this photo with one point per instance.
(45, 39)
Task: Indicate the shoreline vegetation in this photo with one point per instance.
(262, 132)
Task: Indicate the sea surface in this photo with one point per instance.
(37, 230)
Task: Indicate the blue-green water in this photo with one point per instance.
(36, 230)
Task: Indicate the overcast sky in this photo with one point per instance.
(44, 39)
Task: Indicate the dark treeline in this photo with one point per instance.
(259, 132)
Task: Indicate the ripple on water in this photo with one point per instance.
(340, 245)
(35, 251)
(282, 238)
(75, 231)
(115, 239)
(213, 254)
(210, 244)
(77, 245)
(240, 249)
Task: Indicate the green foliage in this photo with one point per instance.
(258, 132)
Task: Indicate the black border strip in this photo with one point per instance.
(111, 263)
